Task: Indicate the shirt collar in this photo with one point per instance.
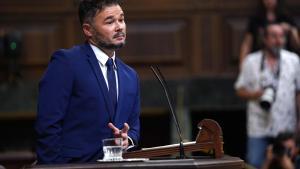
(101, 56)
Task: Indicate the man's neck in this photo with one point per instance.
(108, 52)
(271, 15)
(271, 59)
(272, 53)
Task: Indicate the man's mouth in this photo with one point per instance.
(119, 35)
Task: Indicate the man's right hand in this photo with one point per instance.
(249, 95)
(123, 133)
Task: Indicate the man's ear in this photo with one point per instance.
(87, 29)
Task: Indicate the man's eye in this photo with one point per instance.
(109, 22)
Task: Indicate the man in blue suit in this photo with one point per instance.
(87, 93)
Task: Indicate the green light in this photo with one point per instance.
(13, 45)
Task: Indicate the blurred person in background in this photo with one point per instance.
(283, 153)
(269, 11)
(269, 80)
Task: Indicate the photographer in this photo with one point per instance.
(269, 80)
(283, 153)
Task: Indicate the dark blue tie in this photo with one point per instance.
(111, 78)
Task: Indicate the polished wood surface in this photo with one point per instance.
(16, 159)
(225, 162)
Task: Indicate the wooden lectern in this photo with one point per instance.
(209, 140)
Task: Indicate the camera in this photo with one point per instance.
(280, 150)
(267, 98)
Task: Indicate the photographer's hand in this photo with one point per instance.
(287, 162)
(249, 95)
(269, 157)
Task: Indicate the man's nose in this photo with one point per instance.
(280, 42)
(119, 26)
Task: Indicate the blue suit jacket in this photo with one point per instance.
(74, 110)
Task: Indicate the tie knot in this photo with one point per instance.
(110, 63)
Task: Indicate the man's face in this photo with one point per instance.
(275, 37)
(108, 28)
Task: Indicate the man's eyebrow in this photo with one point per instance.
(112, 17)
(108, 18)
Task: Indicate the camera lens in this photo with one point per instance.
(265, 105)
(267, 98)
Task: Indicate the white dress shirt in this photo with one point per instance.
(102, 59)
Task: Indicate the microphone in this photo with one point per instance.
(164, 85)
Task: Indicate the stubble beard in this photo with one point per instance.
(102, 44)
(274, 51)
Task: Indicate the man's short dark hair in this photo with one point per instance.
(89, 8)
(284, 136)
(278, 146)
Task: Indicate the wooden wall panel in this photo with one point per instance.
(39, 41)
(233, 33)
(36, 6)
(185, 37)
(38, 44)
(155, 42)
(206, 43)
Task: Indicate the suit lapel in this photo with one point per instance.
(98, 73)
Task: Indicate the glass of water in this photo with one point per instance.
(112, 149)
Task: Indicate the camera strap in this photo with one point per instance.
(275, 74)
(269, 81)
